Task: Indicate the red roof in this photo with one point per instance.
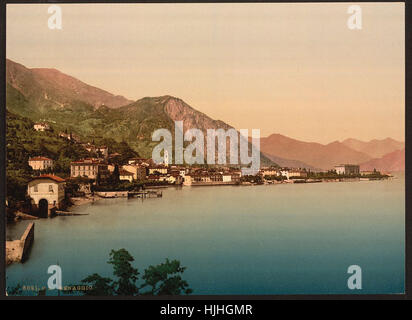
(39, 159)
(49, 176)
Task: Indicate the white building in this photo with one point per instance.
(40, 163)
(285, 173)
(347, 169)
(227, 177)
(47, 192)
(41, 126)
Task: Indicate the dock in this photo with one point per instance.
(69, 213)
(145, 194)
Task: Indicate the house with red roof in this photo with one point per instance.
(47, 193)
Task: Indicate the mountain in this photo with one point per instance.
(46, 89)
(391, 162)
(313, 154)
(290, 163)
(69, 104)
(146, 115)
(374, 148)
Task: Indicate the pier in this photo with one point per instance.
(145, 194)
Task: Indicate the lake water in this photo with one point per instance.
(269, 239)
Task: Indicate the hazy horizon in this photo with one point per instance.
(292, 69)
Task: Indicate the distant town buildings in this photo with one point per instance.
(138, 171)
(47, 192)
(291, 173)
(141, 161)
(40, 163)
(69, 136)
(101, 152)
(367, 173)
(125, 175)
(211, 178)
(90, 168)
(41, 126)
(271, 171)
(297, 173)
(157, 169)
(347, 169)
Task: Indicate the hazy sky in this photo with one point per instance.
(294, 69)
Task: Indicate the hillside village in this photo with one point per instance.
(104, 174)
(65, 148)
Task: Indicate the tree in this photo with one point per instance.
(163, 279)
(100, 286)
(123, 270)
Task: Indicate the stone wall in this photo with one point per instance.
(18, 250)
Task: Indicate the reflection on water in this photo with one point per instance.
(276, 239)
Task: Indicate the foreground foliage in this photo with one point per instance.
(162, 279)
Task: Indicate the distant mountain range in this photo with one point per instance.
(374, 148)
(68, 103)
(325, 157)
(311, 153)
(391, 162)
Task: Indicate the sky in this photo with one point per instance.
(293, 69)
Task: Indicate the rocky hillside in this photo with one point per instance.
(69, 104)
(51, 89)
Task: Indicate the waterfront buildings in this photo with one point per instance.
(297, 173)
(269, 172)
(40, 163)
(139, 171)
(366, 173)
(153, 169)
(46, 193)
(198, 178)
(347, 169)
(125, 175)
(291, 173)
(90, 168)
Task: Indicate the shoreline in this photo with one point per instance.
(79, 201)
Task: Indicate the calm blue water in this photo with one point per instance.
(273, 239)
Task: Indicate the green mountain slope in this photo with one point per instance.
(31, 94)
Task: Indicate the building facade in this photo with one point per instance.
(47, 193)
(157, 169)
(349, 169)
(139, 172)
(125, 175)
(89, 168)
(40, 163)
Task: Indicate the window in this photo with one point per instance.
(50, 188)
(36, 188)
